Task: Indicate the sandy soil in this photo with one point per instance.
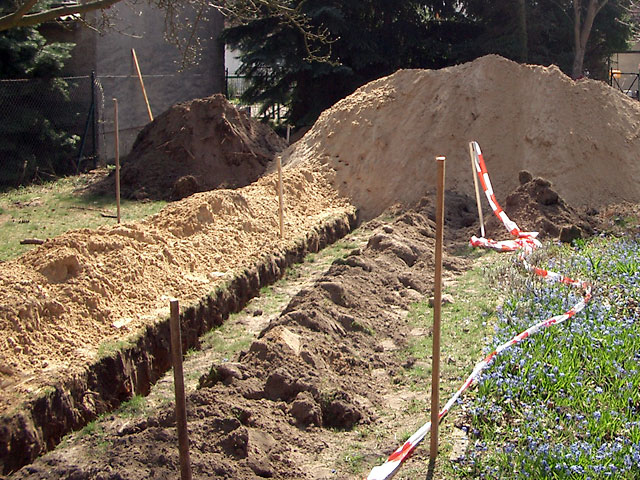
(381, 141)
(327, 362)
(64, 299)
(318, 365)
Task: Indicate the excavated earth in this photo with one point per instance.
(194, 147)
(83, 318)
(324, 363)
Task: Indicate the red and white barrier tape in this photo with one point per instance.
(525, 243)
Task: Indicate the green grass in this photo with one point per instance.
(46, 211)
(565, 403)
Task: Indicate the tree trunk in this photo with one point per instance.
(522, 31)
(581, 32)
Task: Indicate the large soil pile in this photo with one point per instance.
(583, 136)
(198, 146)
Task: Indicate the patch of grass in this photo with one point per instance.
(354, 460)
(111, 347)
(228, 339)
(46, 211)
(134, 407)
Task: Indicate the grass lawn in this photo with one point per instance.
(45, 211)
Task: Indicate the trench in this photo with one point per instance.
(39, 424)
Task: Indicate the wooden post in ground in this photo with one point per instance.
(472, 154)
(280, 195)
(117, 147)
(144, 90)
(178, 380)
(437, 306)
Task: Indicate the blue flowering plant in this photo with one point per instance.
(564, 403)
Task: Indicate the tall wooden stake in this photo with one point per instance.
(144, 90)
(281, 200)
(437, 304)
(117, 146)
(178, 380)
(472, 154)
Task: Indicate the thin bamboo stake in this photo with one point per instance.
(178, 380)
(472, 154)
(288, 133)
(144, 90)
(437, 304)
(117, 147)
(280, 196)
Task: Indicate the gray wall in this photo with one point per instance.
(141, 27)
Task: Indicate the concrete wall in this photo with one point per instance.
(160, 64)
(142, 27)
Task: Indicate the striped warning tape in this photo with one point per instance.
(525, 243)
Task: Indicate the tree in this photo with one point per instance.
(180, 26)
(575, 35)
(31, 146)
(583, 17)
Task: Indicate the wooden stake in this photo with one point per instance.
(144, 90)
(117, 146)
(288, 133)
(281, 209)
(437, 304)
(178, 380)
(472, 154)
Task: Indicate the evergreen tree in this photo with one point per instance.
(549, 32)
(31, 147)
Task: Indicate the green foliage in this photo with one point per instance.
(546, 27)
(31, 146)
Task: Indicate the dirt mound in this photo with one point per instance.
(381, 141)
(197, 146)
(327, 362)
(535, 206)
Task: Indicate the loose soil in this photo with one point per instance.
(62, 300)
(331, 356)
(381, 141)
(327, 361)
(194, 147)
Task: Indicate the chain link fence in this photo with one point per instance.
(47, 128)
(61, 126)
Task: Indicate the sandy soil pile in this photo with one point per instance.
(197, 146)
(61, 300)
(583, 136)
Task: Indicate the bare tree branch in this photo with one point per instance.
(21, 17)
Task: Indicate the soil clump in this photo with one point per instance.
(536, 206)
(196, 146)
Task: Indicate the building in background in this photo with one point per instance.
(141, 27)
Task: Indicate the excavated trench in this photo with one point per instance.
(40, 423)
